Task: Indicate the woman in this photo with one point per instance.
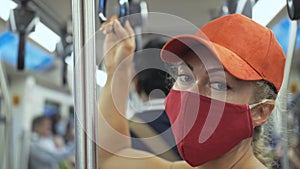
(224, 88)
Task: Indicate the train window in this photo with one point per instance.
(36, 58)
(282, 33)
(281, 30)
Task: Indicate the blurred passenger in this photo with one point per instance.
(45, 151)
(151, 85)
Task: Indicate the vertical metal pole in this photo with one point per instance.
(84, 82)
(283, 94)
(7, 153)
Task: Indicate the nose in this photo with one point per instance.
(195, 88)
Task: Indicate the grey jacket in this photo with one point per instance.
(45, 155)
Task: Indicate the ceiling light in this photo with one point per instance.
(264, 14)
(45, 37)
(5, 8)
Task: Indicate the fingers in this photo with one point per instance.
(118, 36)
(114, 26)
(129, 28)
(107, 27)
(122, 32)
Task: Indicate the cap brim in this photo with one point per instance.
(180, 45)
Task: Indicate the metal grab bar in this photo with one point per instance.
(83, 13)
(123, 6)
(6, 158)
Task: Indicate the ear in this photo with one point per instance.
(261, 114)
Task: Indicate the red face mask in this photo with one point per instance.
(205, 128)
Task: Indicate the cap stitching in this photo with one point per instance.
(238, 55)
(232, 53)
(267, 54)
(222, 28)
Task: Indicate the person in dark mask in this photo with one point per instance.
(227, 77)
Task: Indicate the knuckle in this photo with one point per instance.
(128, 46)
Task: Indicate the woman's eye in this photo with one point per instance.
(219, 86)
(185, 78)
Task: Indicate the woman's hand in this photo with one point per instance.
(119, 46)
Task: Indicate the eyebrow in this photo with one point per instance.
(213, 70)
(186, 64)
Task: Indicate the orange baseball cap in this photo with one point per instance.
(246, 49)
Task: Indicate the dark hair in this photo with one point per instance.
(150, 70)
(151, 79)
(37, 121)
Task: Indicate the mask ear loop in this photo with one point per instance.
(269, 101)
